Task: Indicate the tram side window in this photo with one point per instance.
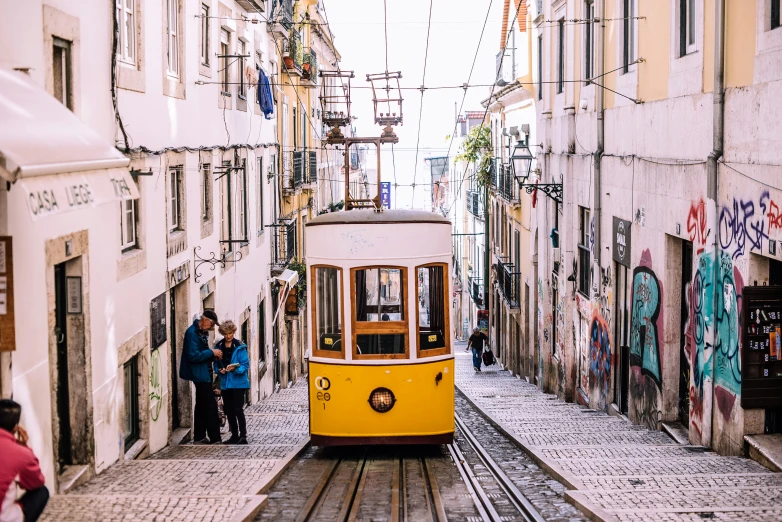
(379, 294)
(328, 309)
(431, 307)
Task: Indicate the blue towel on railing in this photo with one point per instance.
(265, 99)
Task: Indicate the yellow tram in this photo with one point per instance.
(381, 367)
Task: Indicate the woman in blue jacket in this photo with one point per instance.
(233, 370)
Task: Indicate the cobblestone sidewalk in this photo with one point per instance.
(617, 471)
(197, 483)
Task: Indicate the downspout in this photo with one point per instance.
(712, 186)
(598, 156)
(486, 247)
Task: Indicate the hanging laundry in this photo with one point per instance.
(265, 95)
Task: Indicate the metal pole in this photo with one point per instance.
(486, 249)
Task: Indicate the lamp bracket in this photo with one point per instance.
(213, 261)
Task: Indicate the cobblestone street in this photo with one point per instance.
(194, 483)
(615, 470)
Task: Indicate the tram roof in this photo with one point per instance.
(372, 217)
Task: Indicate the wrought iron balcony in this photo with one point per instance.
(282, 12)
(293, 53)
(475, 203)
(284, 244)
(309, 68)
(503, 181)
(509, 283)
(476, 290)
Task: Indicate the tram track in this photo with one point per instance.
(509, 503)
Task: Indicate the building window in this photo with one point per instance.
(628, 34)
(776, 15)
(589, 40)
(225, 77)
(686, 26)
(205, 32)
(242, 84)
(172, 40)
(226, 210)
(241, 202)
(561, 56)
(583, 250)
(130, 424)
(261, 177)
(175, 199)
(262, 332)
(128, 225)
(125, 20)
(206, 192)
(62, 72)
(540, 67)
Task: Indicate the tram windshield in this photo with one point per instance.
(379, 294)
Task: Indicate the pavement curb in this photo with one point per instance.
(589, 509)
(253, 507)
(264, 485)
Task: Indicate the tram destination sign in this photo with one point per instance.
(385, 194)
(621, 235)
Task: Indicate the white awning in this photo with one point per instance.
(47, 195)
(39, 136)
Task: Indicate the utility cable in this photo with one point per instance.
(421, 111)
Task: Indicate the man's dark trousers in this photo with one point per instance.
(207, 420)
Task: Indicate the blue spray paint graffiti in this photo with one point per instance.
(600, 360)
(741, 226)
(727, 344)
(644, 341)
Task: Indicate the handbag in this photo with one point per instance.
(487, 356)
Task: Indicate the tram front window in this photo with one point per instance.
(379, 313)
(328, 309)
(430, 283)
(379, 294)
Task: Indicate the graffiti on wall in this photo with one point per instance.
(745, 225)
(644, 335)
(727, 347)
(697, 335)
(155, 386)
(606, 295)
(600, 360)
(696, 225)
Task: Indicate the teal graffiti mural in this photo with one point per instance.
(727, 345)
(644, 337)
(700, 297)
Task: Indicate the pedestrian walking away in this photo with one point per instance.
(196, 360)
(475, 342)
(232, 371)
(18, 469)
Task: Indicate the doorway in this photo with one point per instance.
(684, 360)
(181, 397)
(73, 426)
(622, 338)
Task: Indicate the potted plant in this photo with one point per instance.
(306, 66)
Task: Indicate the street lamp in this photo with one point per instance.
(521, 161)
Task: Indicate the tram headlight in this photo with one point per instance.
(381, 399)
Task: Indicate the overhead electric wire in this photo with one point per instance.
(421, 110)
(456, 123)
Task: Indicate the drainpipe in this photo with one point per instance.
(715, 155)
(600, 141)
(486, 247)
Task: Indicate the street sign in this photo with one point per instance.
(385, 194)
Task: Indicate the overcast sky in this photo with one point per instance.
(453, 39)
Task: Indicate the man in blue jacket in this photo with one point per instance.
(196, 360)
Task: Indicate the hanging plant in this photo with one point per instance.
(301, 286)
(476, 149)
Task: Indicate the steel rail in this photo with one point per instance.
(518, 499)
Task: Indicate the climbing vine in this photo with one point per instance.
(476, 149)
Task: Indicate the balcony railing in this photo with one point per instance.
(284, 247)
(476, 290)
(475, 203)
(282, 12)
(293, 53)
(503, 181)
(310, 67)
(509, 282)
(300, 168)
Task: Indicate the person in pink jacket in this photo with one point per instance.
(18, 469)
